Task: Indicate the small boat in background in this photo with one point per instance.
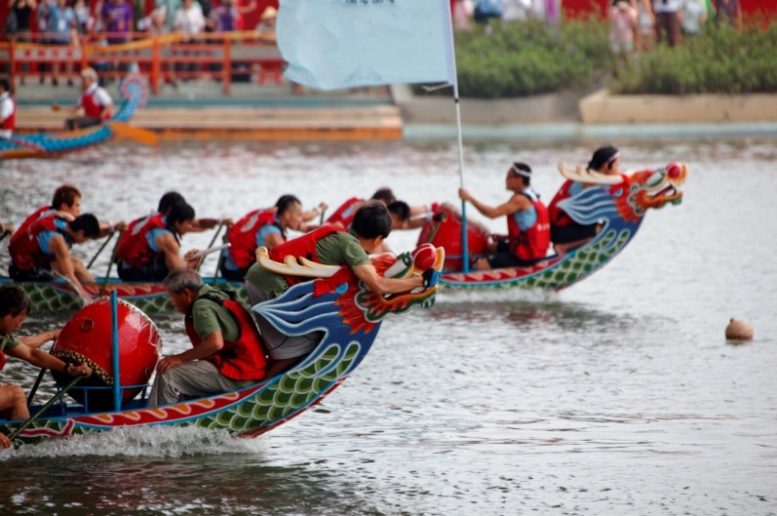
(52, 144)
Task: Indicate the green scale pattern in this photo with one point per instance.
(580, 264)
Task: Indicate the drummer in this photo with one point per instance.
(14, 307)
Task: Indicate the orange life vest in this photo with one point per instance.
(304, 246)
(24, 248)
(530, 244)
(243, 359)
(242, 236)
(133, 248)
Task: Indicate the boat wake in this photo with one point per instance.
(496, 295)
(158, 441)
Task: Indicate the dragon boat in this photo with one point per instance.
(58, 296)
(52, 144)
(336, 304)
(618, 203)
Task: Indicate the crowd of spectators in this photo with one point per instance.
(66, 21)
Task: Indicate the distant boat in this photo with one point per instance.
(337, 305)
(52, 144)
(619, 204)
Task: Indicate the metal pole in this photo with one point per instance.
(115, 346)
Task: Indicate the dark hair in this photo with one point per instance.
(522, 170)
(602, 156)
(285, 202)
(65, 194)
(87, 223)
(384, 194)
(168, 200)
(400, 209)
(372, 220)
(5, 84)
(13, 301)
(179, 212)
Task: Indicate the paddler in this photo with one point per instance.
(226, 354)
(528, 231)
(330, 245)
(565, 233)
(14, 307)
(259, 228)
(42, 250)
(7, 111)
(95, 105)
(150, 247)
(343, 215)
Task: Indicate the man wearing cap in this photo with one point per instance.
(527, 222)
(565, 233)
(95, 106)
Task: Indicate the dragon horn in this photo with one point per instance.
(585, 176)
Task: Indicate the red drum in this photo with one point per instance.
(87, 339)
(444, 231)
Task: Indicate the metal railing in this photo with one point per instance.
(225, 57)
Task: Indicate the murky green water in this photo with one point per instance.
(617, 396)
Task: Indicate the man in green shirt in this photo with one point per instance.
(327, 245)
(226, 352)
(14, 307)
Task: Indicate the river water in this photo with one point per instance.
(617, 396)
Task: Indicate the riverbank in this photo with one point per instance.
(197, 111)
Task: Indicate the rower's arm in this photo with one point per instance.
(381, 285)
(273, 240)
(37, 357)
(63, 264)
(36, 341)
(209, 345)
(516, 203)
(170, 248)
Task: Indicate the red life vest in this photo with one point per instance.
(559, 217)
(304, 246)
(242, 236)
(92, 108)
(133, 248)
(242, 359)
(40, 212)
(9, 123)
(24, 248)
(345, 213)
(530, 244)
(2, 360)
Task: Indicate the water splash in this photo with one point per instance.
(156, 441)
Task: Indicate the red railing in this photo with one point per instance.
(167, 58)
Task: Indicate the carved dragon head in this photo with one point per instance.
(625, 197)
(359, 307)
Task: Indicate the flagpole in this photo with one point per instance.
(457, 103)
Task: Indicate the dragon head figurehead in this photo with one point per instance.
(627, 197)
(357, 307)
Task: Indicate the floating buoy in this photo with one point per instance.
(738, 329)
(87, 339)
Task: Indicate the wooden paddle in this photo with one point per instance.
(99, 251)
(131, 132)
(44, 408)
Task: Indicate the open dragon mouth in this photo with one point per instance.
(667, 191)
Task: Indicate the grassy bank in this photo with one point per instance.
(721, 60)
(521, 59)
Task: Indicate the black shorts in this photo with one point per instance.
(36, 274)
(232, 275)
(505, 258)
(571, 233)
(154, 271)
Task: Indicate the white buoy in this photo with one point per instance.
(739, 329)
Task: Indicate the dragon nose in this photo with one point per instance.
(674, 170)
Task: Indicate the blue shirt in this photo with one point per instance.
(527, 218)
(44, 237)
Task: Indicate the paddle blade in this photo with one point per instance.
(130, 132)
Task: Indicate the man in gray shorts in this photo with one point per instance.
(329, 245)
